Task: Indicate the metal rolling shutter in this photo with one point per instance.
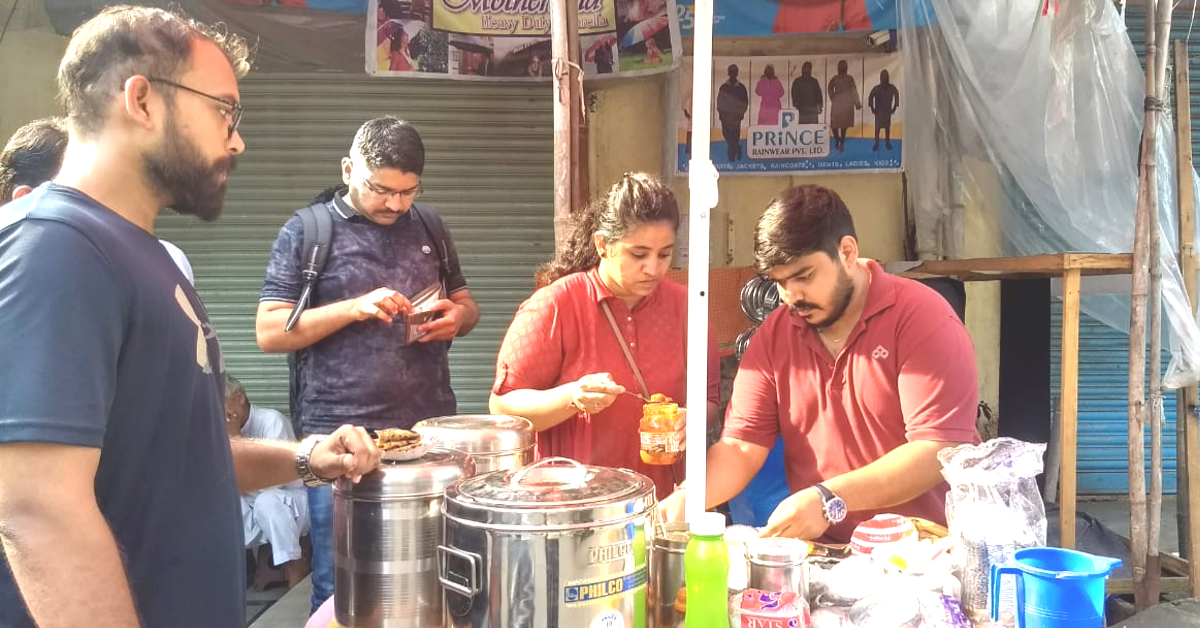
(489, 172)
(1103, 459)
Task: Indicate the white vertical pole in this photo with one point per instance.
(702, 182)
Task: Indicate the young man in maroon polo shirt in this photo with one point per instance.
(865, 375)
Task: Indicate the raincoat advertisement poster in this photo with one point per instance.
(510, 39)
(797, 114)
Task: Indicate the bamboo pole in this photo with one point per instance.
(1154, 411)
(1187, 423)
(1158, 24)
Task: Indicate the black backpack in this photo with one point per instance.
(318, 236)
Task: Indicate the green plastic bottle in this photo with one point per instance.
(706, 571)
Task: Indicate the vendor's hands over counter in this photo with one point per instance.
(800, 516)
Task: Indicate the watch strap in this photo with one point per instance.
(826, 494)
(304, 461)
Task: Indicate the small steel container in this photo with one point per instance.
(778, 564)
(666, 574)
(497, 442)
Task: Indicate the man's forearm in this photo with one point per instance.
(899, 477)
(731, 464)
(263, 463)
(315, 324)
(68, 568)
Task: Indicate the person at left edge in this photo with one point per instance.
(118, 481)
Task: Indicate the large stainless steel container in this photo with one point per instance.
(554, 545)
(497, 442)
(386, 532)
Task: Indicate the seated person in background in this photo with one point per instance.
(865, 375)
(277, 515)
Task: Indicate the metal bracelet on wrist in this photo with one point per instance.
(304, 461)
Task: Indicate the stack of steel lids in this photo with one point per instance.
(759, 298)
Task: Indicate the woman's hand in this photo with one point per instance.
(681, 429)
(594, 393)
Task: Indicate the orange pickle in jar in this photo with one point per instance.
(659, 443)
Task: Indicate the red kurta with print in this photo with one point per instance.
(561, 334)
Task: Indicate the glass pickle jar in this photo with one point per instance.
(659, 443)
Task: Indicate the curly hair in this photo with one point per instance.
(635, 200)
(125, 41)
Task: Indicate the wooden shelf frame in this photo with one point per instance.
(1071, 268)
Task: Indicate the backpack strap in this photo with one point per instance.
(435, 228)
(318, 233)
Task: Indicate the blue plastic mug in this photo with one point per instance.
(1056, 588)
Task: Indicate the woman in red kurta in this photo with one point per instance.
(561, 365)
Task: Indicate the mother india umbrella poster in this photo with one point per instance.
(510, 39)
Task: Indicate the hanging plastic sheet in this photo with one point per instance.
(1039, 120)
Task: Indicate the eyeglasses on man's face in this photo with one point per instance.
(408, 195)
(231, 110)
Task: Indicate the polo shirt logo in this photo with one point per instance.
(426, 250)
(880, 353)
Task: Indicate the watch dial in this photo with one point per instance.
(837, 509)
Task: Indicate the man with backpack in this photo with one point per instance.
(339, 294)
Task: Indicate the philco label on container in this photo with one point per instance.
(609, 553)
(588, 592)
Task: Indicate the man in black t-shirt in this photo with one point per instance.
(118, 483)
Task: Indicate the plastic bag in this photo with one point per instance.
(994, 508)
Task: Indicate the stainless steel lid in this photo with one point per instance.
(776, 551)
(396, 481)
(479, 433)
(672, 536)
(554, 492)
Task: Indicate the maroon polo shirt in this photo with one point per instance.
(561, 334)
(906, 373)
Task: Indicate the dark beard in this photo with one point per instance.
(843, 293)
(177, 171)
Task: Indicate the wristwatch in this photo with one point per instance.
(304, 461)
(832, 506)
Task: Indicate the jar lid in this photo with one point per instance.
(393, 480)
(777, 551)
(671, 536)
(553, 491)
(478, 433)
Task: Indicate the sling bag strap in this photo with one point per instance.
(637, 373)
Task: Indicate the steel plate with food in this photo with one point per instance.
(400, 444)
